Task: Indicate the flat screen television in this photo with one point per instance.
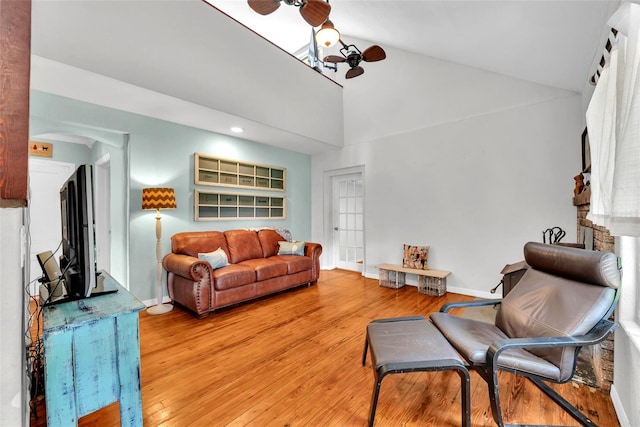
(77, 276)
(77, 261)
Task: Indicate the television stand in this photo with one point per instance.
(92, 356)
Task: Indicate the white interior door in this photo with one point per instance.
(102, 214)
(348, 221)
(45, 230)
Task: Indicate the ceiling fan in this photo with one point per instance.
(315, 12)
(352, 56)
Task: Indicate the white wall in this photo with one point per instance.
(472, 163)
(13, 411)
(626, 375)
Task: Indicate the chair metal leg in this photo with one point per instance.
(494, 396)
(374, 397)
(562, 402)
(364, 353)
(465, 397)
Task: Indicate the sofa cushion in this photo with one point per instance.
(233, 276)
(291, 248)
(216, 259)
(269, 241)
(295, 263)
(243, 245)
(266, 268)
(194, 242)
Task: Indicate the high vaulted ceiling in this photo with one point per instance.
(553, 43)
(183, 60)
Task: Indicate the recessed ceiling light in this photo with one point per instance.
(237, 129)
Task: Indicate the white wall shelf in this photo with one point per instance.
(214, 205)
(216, 171)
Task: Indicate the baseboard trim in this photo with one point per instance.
(618, 406)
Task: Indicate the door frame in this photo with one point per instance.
(328, 213)
(102, 203)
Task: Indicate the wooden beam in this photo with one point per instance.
(15, 55)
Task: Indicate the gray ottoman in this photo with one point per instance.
(412, 344)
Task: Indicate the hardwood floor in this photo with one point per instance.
(293, 359)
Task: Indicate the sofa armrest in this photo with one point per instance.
(186, 266)
(313, 251)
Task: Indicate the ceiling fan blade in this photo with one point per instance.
(333, 58)
(315, 12)
(373, 54)
(354, 72)
(264, 7)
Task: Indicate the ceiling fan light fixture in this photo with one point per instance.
(328, 35)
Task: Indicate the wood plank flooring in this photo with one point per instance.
(294, 359)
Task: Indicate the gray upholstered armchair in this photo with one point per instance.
(563, 302)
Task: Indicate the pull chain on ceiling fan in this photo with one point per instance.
(315, 12)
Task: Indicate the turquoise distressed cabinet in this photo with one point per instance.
(92, 357)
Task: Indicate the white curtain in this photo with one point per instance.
(613, 123)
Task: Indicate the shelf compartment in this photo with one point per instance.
(212, 164)
(246, 169)
(208, 176)
(228, 166)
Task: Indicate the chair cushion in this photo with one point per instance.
(564, 293)
(543, 305)
(472, 338)
(409, 343)
(594, 267)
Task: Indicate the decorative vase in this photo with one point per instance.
(579, 184)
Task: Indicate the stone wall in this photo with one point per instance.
(595, 363)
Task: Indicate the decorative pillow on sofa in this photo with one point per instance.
(415, 257)
(217, 258)
(291, 248)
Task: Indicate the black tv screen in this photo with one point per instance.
(77, 261)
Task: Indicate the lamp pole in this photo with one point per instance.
(159, 308)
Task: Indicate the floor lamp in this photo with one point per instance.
(158, 198)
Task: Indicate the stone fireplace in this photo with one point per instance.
(595, 363)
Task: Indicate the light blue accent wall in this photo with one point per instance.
(161, 153)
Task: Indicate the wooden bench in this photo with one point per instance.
(430, 282)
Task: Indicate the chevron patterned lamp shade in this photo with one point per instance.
(158, 198)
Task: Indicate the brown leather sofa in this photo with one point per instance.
(255, 268)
